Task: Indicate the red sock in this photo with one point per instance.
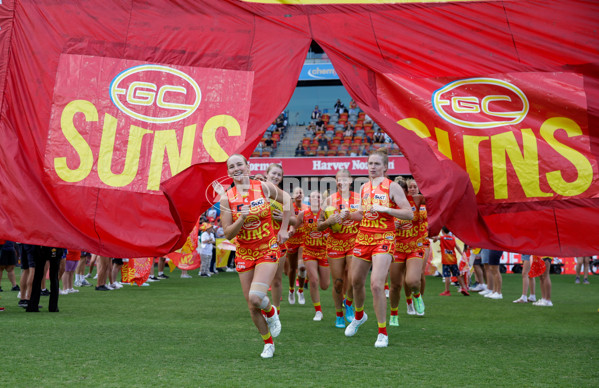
(408, 301)
(270, 312)
(317, 307)
(359, 313)
(267, 339)
(394, 311)
(339, 313)
(383, 330)
(417, 295)
(348, 302)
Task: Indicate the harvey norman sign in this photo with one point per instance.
(327, 166)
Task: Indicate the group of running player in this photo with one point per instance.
(346, 236)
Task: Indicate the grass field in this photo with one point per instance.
(198, 333)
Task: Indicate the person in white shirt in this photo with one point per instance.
(205, 246)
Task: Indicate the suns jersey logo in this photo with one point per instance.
(371, 215)
(316, 234)
(252, 222)
(406, 226)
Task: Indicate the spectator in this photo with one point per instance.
(363, 151)
(450, 262)
(80, 280)
(283, 118)
(205, 249)
(323, 143)
(348, 131)
(41, 255)
(269, 144)
(316, 113)
(339, 107)
(583, 263)
(117, 265)
(378, 137)
(353, 107)
(281, 123)
(493, 258)
(8, 261)
(479, 274)
(72, 259)
(319, 125)
(545, 281)
(26, 253)
(104, 265)
(300, 150)
(526, 282)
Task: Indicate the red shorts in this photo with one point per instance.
(335, 254)
(322, 261)
(402, 257)
(365, 252)
(244, 263)
(283, 248)
(293, 248)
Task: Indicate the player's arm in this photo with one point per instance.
(397, 195)
(230, 228)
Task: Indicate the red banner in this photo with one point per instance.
(105, 111)
(494, 129)
(137, 270)
(398, 165)
(496, 111)
(187, 258)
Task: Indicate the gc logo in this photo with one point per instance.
(480, 103)
(155, 93)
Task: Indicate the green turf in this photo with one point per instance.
(197, 332)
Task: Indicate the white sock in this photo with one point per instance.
(523, 297)
(160, 273)
(532, 296)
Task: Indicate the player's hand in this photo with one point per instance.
(277, 214)
(218, 188)
(282, 236)
(245, 211)
(335, 219)
(344, 214)
(379, 209)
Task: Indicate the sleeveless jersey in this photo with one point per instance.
(407, 232)
(298, 236)
(256, 234)
(344, 239)
(376, 226)
(315, 241)
(448, 249)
